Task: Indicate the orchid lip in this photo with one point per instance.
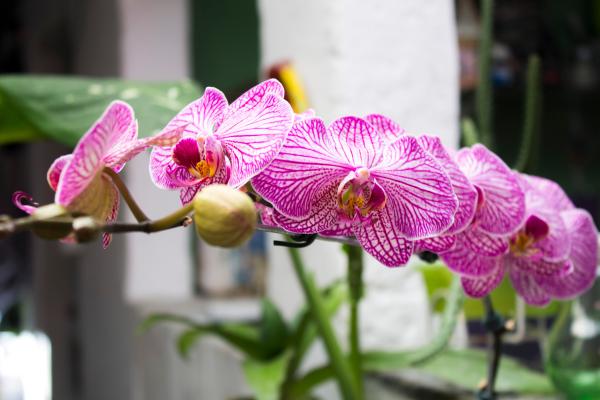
(523, 242)
(202, 156)
(359, 195)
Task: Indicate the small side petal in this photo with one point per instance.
(252, 138)
(381, 239)
(53, 175)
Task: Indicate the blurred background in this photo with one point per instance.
(414, 61)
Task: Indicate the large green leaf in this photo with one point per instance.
(63, 108)
(265, 377)
(274, 332)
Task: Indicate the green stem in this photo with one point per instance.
(469, 132)
(173, 220)
(483, 94)
(137, 212)
(315, 302)
(355, 286)
(532, 114)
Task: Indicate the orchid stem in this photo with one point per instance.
(173, 220)
(484, 93)
(355, 286)
(339, 363)
(531, 121)
(496, 326)
(137, 212)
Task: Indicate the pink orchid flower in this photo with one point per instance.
(465, 192)
(78, 179)
(500, 209)
(347, 176)
(552, 255)
(223, 143)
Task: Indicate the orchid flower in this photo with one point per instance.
(79, 180)
(552, 255)
(499, 212)
(223, 143)
(345, 177)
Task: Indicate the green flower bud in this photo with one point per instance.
(224, 216)
(86, 229)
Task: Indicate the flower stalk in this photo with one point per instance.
(355, 286)
(136, 210)
(342, 370)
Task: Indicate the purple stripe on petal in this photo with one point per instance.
(463, 260)
(420, 194)
(484, 285)
(503, 208)
(464, 190)
(541, 268)
(89, 152)
(252, 138)
(386, 127)
(342, 229)
(483, 243)
(200, 116)
(254, 96)
(355, 141)
(111, 217)
(322, 217)
(526, 287)
(53, 175)
(187, 194)
(380, 238)
(583, 256)
(304, 166)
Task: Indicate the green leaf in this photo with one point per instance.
(63, 108)
(274, 332)
(265, 377)
(187, 340)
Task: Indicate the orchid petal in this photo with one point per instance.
(355, 141)
(200, 116)
(323, 215)
(526, 287)
(252, 138)
(380, 237)
(553, 194)
(483, 243)
(503, 209)
(99, 200)
(111, 217)
(53, 175)
(464, 190)
(386, 127)
(482, 286)
(343, 228)
(463, 260)
(187, 194)
(89, 152)
(304, 166)
(419, 192)
(556, 245)
(541, 268)
(254, 96)
(436, 244)
(583, 256)
(24, 202)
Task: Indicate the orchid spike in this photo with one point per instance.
(221, 143)
(347, 178)
(78, 179)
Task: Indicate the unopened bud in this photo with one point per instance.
(224, 216)
(86, 229)
(7, 227)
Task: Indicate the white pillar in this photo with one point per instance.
(397, 58)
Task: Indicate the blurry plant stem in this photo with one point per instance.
(314, 300)
(531, 119)
(355, 286)
(483, 93)
(496, 327)
(469, 132)
(137, 212)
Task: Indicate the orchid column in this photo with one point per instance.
(354, 58)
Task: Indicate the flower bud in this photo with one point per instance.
(86, 229)
(224, 216)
